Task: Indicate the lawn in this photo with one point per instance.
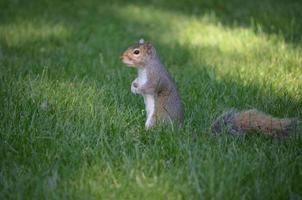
(71, 129)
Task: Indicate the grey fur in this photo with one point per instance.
(225, 122)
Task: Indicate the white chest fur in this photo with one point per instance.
(142, 76)
(149, 99)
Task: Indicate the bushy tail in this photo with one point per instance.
(238, 123)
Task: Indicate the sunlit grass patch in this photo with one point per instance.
(25, 32)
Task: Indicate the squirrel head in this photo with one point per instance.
(139, 54)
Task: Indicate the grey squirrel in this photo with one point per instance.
(163, 103)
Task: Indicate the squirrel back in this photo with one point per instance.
(253, 120)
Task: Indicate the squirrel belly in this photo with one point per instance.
(150, 110)
(253, 120)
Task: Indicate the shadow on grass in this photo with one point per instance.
(269, 16)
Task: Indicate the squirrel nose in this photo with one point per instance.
(121, 57)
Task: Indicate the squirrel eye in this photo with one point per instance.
(136, 52)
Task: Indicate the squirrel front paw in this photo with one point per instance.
(134, 87)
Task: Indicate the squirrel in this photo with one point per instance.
(238, 123)
(163, 103)
(161, 98)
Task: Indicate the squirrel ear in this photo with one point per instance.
(141, 41)
(149, 47)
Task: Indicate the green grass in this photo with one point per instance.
(71, 129)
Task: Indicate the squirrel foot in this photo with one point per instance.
(149, 123)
